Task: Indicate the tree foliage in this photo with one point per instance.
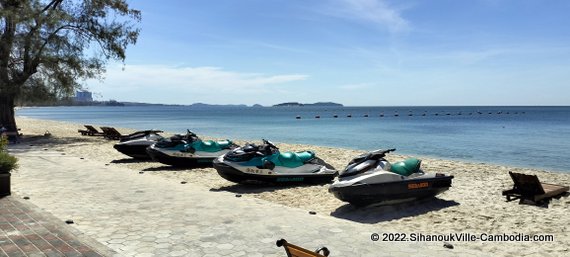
(48, 46)
(7, 162)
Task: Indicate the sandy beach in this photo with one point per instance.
(474, 204)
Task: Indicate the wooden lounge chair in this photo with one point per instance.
(91, 131)
(111, 133)
(297, 251)
(529, 188)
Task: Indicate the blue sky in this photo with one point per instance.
(355, 52)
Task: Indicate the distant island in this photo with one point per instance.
(328, 104)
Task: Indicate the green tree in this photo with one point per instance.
(48, 46)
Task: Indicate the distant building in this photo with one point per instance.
(83, 96)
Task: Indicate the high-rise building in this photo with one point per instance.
(83, 96)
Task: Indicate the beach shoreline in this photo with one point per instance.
(473, 204)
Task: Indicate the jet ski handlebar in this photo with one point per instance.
(270, 144)
(372, 155)
(378, 154)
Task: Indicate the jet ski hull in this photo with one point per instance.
(232, 174)
(392, 192)
(134, 151)
(163, 158)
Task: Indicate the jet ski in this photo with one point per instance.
(188, 150)
(370, 179)
(265, 163)
(135, 144)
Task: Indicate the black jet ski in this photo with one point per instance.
(135, 144)
(189, 150)
(265, 163)
(370, 179)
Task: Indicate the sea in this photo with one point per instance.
(521, 136)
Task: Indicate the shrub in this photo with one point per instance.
(7, 162)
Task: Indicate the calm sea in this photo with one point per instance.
(537, 137)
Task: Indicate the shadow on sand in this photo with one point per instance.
(175, 168)
(379, 213)
(255, 188)
(545, 203)
(33, 142)
(130, 160)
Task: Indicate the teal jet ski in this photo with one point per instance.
(265, 163)
(189, 150)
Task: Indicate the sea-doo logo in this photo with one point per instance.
(255, 171)
(180, 154)
(418, 185)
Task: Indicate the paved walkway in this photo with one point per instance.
(143, 215)
(27, 231)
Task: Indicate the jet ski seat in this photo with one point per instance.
(211, 146)
(294, 159)
(406, 167)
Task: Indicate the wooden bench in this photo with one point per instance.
(297, 251)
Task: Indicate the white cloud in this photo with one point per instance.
(376, 11)
(162, 82)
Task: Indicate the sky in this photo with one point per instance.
(354, 52)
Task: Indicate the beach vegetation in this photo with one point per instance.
(7, 162)
(47, 47)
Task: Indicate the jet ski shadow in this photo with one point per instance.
(255, 188)
(378, 213)
(129, 160)
(174, 168)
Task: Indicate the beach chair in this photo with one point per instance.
(297, 251)
(529, 188)
(111, 133)
(91, 131)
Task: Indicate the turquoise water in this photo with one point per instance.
(537, 137)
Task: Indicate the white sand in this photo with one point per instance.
(473, 205)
